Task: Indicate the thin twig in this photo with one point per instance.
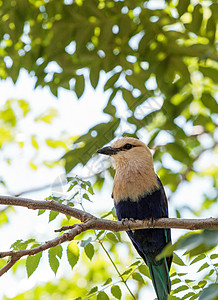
(118, 272)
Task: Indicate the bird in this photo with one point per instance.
(138, 194)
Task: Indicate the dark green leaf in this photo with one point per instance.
(116, 291)
(111, 236)
(108, 281)
(111, 81)
(175, 281)
(210, 102)
(198, 258)
(79, 85)
(137, 276)
(180, 288)
(94, 75)
(144, 270)
(210, 72)
(93, 290)
(182, 6)
(214, 256)
(102, 296)
(177, 260)
(89, 250)
(204, 266)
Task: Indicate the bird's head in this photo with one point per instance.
(128, 150)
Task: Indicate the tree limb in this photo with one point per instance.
(89, 221)
(103, 224)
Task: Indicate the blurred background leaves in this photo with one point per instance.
(161, 61)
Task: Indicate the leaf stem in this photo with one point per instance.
(118, 272)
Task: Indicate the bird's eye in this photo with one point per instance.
(127, 146)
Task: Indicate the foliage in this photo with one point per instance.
(162, 63)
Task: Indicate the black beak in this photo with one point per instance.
(107, 151)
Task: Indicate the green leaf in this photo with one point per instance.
(210, 293)
(79, 86)
(90, 190)
(89, 250)
(111, 81)
(93, 290)
(198, 258)
(182, 6)
(41, 211)
(53, 215)
(102, 296)
(180, 288)
(72, 254)
(175, 281)
(94, 75)
(32, 263)
(204, 266)
(213, 256)
(210, 72)
(202, 283)
(86, 196)
(111, 236)
(53, 253)
(144, 270)
(177, 260)
(22, 245)
(197, 17)
(108, 281)
(210, 102)
(188, 295)
(116, 291)
(137, 276)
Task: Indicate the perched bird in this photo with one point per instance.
(139, 194)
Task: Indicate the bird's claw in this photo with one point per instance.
(126, 221)
(151, 222)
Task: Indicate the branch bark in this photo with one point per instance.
(89, 221)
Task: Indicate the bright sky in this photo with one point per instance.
(75, 117)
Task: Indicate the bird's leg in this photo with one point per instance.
(151, 222)
(125, 221)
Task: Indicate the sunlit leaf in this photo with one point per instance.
(53, 253)
(32, 263)
(72, 254)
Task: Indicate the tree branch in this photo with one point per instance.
(89, 221)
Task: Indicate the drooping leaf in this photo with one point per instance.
(89, 250)
(53, 253)
(72, 254)
(32, 263)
